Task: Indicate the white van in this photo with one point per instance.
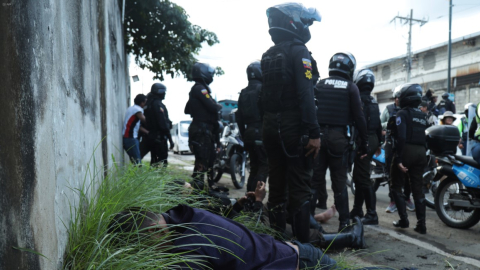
(179, 133)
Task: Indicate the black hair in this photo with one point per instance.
(131, 220)
(139, 99)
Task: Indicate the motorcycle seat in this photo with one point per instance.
(468, 160)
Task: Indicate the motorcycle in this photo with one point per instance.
(232, 157)
(457, 197)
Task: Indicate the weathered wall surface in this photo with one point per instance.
(63, 89)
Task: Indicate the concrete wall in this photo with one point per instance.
(429, 69)
(64, 84)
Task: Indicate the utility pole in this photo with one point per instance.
(449, 81)
(410, 20)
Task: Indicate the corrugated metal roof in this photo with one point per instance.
(473, 35)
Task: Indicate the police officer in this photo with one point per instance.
(202, 131)
(409, 158)
(290, 131)
(249, 120)
(474, 134)
(390, 112)
(365, 81)
(446, 104)
(338, 107)
(463, 129)
(158, 124)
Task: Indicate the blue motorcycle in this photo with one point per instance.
(457, 198)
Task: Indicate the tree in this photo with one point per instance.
(162, 38)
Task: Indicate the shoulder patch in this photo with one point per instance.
(307, 63)
(161, 109)
(308, 74)
(205, 92)
(399, 120)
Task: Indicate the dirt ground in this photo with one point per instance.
(441, 248)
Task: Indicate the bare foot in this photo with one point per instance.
(325, 216)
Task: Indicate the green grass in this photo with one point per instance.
(91, 247)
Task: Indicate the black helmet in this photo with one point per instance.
(364, 79)
(203, 72)
(158, 88)
(343, 62)
(410, 94)
(254, 71)
(445, 96)
(292, 19)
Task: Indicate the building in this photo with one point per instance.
(430, 68)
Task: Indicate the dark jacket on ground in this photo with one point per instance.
(258, 251)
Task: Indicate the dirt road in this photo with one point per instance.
(441, 248)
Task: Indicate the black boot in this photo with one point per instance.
(301, 222)
(357, 210)
(341, 203)
(371, 217)
(420, 210)
(353, 239)
(277, 216)
(315, 225)
(402, 210)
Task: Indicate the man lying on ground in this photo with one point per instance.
(221, 242)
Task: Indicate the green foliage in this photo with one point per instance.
(89, 244)
(162, 38)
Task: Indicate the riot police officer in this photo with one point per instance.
(290, 130)
(202, 131)
(249, 120)
(410, 157)
(158, 124)
(338, 107)
(446, 104)
(365, 81)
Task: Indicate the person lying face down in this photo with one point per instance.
(221, 242)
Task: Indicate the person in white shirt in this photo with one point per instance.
(131, 126)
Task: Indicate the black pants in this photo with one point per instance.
(407, 191)
(258, 157)
(289, 177)
(202, 144)
(331, 156)
(158, 151)
(361, 169)
(415, 160)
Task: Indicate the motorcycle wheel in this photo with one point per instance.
(236, 164)
(430, 196)
(350, 182)
(454, 216)
(217, 174)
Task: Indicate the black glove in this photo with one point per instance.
(171, 144)
(363, 149)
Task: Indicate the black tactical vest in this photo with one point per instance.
(416, 125)
(333, 101)
(392, 110)
(278, 93)
(248, 101)
(371, 112)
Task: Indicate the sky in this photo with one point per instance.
(364, 28)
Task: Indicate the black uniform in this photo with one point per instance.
(446, 105)
(287, 99)
(202, 131)
(249, 120)
(159, 127)
(410, 151)
(390, 149)
(339, 106)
